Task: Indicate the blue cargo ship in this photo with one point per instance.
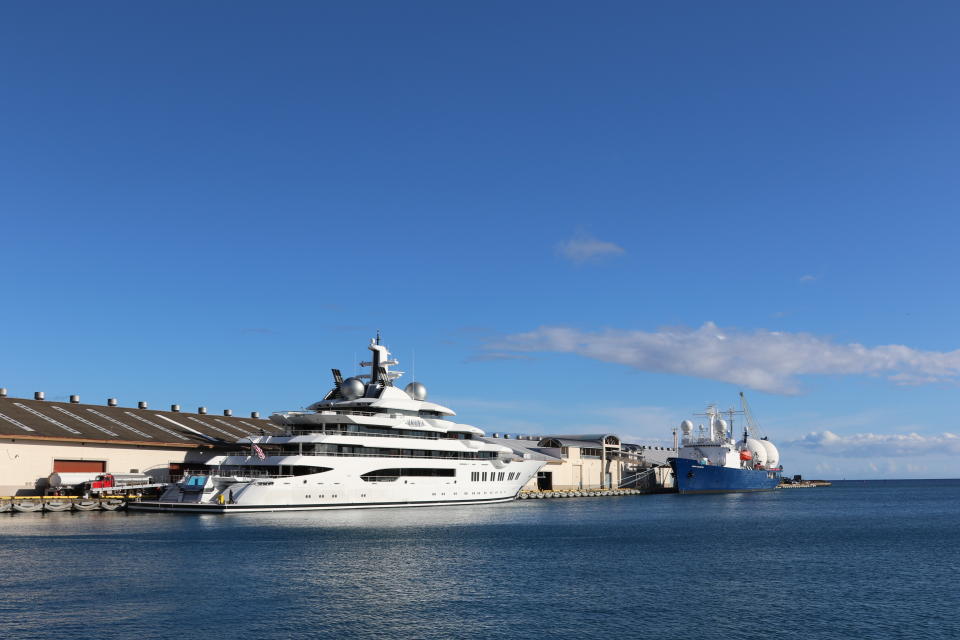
(692, 477)
(710, 460)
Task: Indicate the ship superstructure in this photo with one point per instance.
(711, 459)
(367, 443)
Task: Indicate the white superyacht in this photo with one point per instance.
(366, 444)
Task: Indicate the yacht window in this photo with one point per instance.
(388, 475)
(303, 471)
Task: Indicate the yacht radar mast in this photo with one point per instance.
(380, 364)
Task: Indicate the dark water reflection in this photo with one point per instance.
(856, 560)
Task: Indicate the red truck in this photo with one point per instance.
(111, 481)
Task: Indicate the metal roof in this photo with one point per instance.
(568, 442)
(584, 441)
(74, 422)
(524, 447)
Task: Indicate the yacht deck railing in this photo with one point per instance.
(342, 432)
(287, 454)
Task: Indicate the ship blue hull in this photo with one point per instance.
(693, 477)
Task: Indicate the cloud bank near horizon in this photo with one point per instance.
(877, 445)
(769, 361)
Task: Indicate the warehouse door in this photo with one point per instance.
(544, 481)
(79, 466)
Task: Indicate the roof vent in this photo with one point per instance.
(38, 395)
(3, 392)
(175, 408)
(141, 405)
(74, 399)
(254, 414)
(227, 412)
(111, 402)
(496, 435)
(202, 411)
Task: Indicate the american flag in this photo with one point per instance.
(257, 450)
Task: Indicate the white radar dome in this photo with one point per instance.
(758, 450)
(686, 427)
(720, 428)
(352, 388)
(773, 456)
(416, 390)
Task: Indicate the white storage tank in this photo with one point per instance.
(773, 456)
(758, 450)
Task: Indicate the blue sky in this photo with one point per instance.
(571, 216)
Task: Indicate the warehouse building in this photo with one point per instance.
(591, 461)
(39, 437)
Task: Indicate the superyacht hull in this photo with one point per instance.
(344, 487)
(239, 508)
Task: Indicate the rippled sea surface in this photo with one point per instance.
(856, 560)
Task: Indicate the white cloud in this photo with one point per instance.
(877, 445)
(807, 278)
(764, 360)
(493, 357)
(647, 424)
(583, 248)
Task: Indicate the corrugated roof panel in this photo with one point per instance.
(47, 418)
(52, 420)
(15, 422)
(154, 424)
(210, 426)
(121, 424)
(233, 426)
(85, 421)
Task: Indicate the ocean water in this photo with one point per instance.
(856, 560)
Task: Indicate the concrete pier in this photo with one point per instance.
(589, 493)
(46, 504)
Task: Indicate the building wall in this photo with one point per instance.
(24, 463)
(576, 471)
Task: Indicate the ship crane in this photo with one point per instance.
(752, 426)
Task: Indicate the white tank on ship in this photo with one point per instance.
(773, 455)
(758, 450)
